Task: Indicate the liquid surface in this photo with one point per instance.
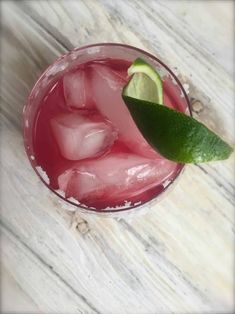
(88, 144)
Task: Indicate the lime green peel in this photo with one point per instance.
(145, 84)
(173, 134)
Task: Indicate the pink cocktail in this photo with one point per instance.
(81, 138)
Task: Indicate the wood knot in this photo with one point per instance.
(197, 105)
(79, 223)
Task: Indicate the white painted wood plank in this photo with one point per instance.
(211, 24)
(179, 257)
(51, 294)
(10, 290)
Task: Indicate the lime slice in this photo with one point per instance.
(175, 135)
(145, 83)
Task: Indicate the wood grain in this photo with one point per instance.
(178, 258)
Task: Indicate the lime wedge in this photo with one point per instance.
(145, 84)
(175, 135)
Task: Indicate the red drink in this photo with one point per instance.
(79, 131)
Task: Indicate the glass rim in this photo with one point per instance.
(81, 206)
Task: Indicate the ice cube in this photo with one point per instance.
(80, 137)
(106, 86)
(114, 177)
(76, 89)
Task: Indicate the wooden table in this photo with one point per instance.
(178, 258)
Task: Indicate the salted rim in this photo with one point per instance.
(77, 204)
